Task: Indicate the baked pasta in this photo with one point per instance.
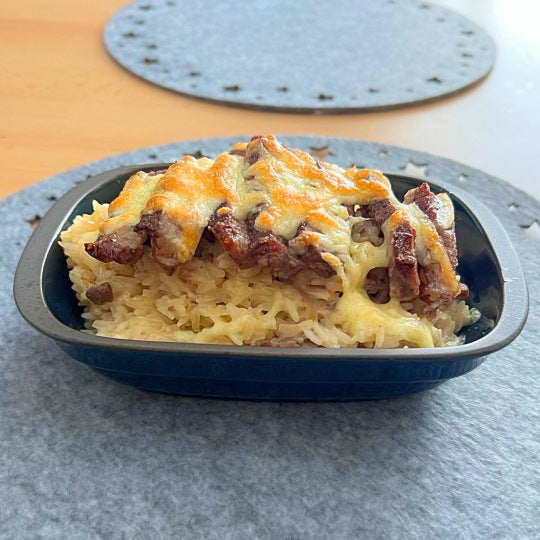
(265, 245)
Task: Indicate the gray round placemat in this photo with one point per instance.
(310, 56)
(85, 457)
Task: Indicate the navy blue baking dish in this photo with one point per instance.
(488, 264)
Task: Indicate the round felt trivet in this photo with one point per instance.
(86, 457)
(301, 56)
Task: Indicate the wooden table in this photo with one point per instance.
(66, 102)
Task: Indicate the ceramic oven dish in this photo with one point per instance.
(487, 263)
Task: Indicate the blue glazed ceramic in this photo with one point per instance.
(488, 264)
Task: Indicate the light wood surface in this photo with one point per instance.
(66, 102)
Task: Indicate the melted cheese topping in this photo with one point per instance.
(190, 191)
(292, 188)
(367, 321)
(127, 208)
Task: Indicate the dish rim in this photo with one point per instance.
(30, 299)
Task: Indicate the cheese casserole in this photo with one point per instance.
(265, 245)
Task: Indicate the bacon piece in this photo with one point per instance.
(312, 260)
(463, 292)
(269, 251)
(310, 255)
(125, 246)
(439, 210)
(255, 150)
(379, 211)
(231, 233)
(376, 214)
(448, 238)
(403, 272)
(249, 246)
(432, 289)
(163, 234)
(404, 279)
(100, 294)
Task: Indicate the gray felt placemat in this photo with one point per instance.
(85, 457)
(307, 56)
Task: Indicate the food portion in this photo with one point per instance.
(267, 246)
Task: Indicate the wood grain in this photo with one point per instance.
(66, 102)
